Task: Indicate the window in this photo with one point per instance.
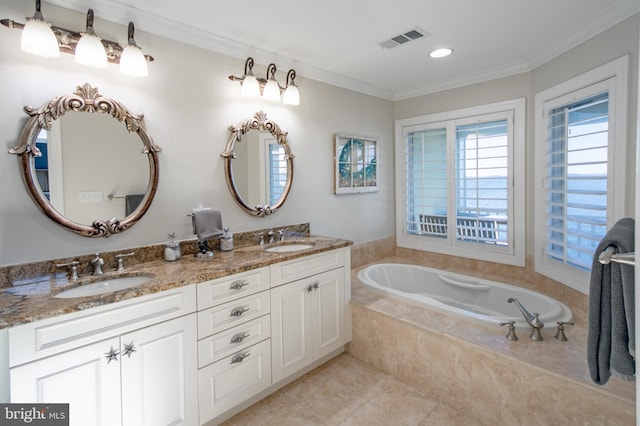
(461, 181)
(580, 151)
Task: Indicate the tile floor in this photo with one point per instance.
(346, 391)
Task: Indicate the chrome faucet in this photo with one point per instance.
(532, 319)
(97, 263)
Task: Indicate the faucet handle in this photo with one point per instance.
(511, 334)
(73, 275)
(560, 333)
(120, 261)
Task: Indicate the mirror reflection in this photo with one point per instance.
(259, 168)
(259, 165)
(88, 163)
(83, 185)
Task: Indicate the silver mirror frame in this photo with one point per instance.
(258, 122)
(84, 99)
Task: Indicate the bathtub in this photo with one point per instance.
(470, 298)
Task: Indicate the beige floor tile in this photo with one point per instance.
(344, 391)
(443, 415)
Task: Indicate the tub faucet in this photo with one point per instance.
(532, 319)
(97, 263)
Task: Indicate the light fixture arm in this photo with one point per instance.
(38, 15)
(130, 39)
(248, 67)
(271, 72)
(89, 27)
(291, 76)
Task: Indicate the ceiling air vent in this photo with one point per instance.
(399, 39)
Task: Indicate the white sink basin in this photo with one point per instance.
(288, 247)
(103, 287)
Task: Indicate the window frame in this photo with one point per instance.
(615, 75)
(515, 253)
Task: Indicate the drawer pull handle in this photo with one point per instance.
(237, 285)
(316, 286)
(238, 311)
(239, 357)
(112, 355)
(238, 338)
(310, 288)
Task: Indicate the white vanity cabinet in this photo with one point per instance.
(309, 310)
(130, 363)
(234, 348)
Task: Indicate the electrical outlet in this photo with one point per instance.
(90, 196)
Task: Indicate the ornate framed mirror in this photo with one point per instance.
(85, 156)
(258, 165)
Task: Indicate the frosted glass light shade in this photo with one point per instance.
(250, 87)
(132, 62)
(38, 39)
(271, 91)
(291, 95)
(90, 51)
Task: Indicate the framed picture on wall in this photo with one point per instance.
(356, 168)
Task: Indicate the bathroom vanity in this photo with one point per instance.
(197, 343)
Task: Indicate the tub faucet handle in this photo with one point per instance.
(560, 333)
(511, 334)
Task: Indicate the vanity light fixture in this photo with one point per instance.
(59, 39)
(38, 37)
(90, 50)
(268, 88)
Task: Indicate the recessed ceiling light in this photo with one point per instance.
(441, 53)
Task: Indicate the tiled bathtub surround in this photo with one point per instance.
(475, 369)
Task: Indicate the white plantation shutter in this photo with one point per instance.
(482, 182)
(576, 179)
(427, 186)
(580, 169)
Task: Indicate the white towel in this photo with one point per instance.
(207, 223)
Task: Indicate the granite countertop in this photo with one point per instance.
(35, 301)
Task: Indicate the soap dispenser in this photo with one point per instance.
(226, 241)
(172, 250)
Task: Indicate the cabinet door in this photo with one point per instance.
(159, 374)
(291, 341)
(328, 312)
(84, 378)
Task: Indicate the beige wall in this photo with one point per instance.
(619, 40)
(188, 103)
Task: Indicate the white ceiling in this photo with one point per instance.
(338, 41)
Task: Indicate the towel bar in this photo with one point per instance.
(608, 256)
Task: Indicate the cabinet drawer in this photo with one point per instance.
(296, 269)
(227, 342)
(221, 290)
(234, 379)
(230, 314)
(39, 339)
